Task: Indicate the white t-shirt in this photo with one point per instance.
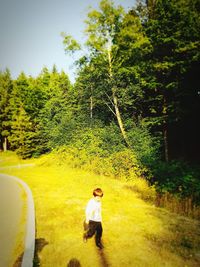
(93, 210)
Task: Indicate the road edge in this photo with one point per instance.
(29, 241)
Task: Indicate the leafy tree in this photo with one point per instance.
(108, 75)
(101, 29)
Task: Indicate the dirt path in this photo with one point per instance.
(18, 166)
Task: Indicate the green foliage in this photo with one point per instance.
(88, 140)
(112, 140)
(35, 109)
(178, 178)
(26, 101)
(102, 26)
(70, 44)
(23, 135)
(98, 140)
(124, 163)
(6, 87)
(100, 150)
(55, 111)
(169, 75)
(145, 146)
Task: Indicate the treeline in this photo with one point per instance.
(135, 105)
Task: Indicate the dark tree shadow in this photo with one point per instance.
(40, 243)
(74, 263)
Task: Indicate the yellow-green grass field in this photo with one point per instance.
(136, 233)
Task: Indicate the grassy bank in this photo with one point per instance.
(136, 233)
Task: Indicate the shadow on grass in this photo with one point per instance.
(74, 263)
(104, 261)
(40, 243)
(18, 261)
(185, 239)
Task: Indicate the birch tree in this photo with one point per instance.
(101, 28)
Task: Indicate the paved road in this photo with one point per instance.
(11, 215)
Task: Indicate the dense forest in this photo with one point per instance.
(135, 104)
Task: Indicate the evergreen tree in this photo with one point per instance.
(26, 102)
(172, 28)
(56, 109)
(6, 87)
(23, 134)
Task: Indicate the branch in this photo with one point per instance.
(70, 44)
(110, 99)
(110, 108)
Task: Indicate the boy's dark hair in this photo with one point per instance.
(97, 192)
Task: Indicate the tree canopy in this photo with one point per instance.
(136, 94)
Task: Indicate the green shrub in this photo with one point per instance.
(103, 151)
(124, 163)
(144, 145)
(178, 178)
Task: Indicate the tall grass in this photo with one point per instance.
(184, 206)
(136, 233)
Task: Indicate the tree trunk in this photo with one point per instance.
(5, 144)
(165, 131)
(119, 119)
(166, 143)
(115, 101)
(91, 108)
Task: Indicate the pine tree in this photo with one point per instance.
(23, 134)
(6, 87)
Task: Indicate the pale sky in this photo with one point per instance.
(30, 33)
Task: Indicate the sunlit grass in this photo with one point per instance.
(9, 159)
(136, 233)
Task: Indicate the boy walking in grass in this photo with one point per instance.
(93, 221)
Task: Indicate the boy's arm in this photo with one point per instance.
(88, 212)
